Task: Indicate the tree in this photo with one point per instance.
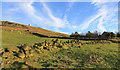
(112, 35)
(95, 34)
(106, 35)
(89, 34)
(72, 35)
(76, 35)
(118, 34)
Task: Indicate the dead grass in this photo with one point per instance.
(14, 26)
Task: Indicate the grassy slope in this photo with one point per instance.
(15, 38)
(80, 57)
(42, 31)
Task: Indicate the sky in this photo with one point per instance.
(64, 17)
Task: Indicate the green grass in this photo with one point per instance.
(15, 38)
(106, 53)
(84, 57)
(71, 58)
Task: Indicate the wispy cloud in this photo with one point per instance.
(46, 18)
(57, 21)
(69, 6)
(89, 20)
(65, 19)
(15, 9)
(107, 13)
(29, 9)
(53, 21)
(104, 14)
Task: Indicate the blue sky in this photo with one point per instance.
(64, 17)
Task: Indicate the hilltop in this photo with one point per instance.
(30, 29)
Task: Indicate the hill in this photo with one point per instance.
(14, 34)
(21, 48)
(30, 29)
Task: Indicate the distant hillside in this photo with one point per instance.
(30, 29)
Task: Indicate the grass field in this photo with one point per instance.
(63, 53)
(88, 56)
(15, 38)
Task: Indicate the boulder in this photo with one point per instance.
(21, 55)
(26, 47)
(6, 54)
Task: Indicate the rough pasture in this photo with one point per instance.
(58, 54)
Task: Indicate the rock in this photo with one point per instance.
(79, 46)
(41, 47)
(31, 54)
(26, 47)
(15, 49)
(27, 52)
(21, 60)
(47, 41)
(6, 54)
(21, 55)
(32, 63)
(3, 50)
(65, 47)
(45, 47)
(55, 47)
(24, 66)
(6, 49)
(32, 50)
